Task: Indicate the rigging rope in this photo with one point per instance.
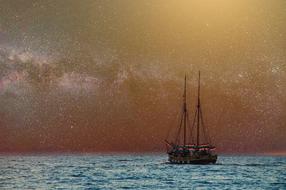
(190, 129)
(204, 128)
(179, 131)
(171, 126)
(194, 122)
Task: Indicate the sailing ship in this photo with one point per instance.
(188, 148)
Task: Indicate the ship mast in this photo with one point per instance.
(185, 110)
(198, 109)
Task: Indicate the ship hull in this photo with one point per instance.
(209, 159)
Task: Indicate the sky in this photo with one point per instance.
(107, 75)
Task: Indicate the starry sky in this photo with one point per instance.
(107, 75)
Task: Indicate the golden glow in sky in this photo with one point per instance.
(108, 75)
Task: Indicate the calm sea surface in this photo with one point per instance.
(139, 172)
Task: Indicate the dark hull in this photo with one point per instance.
(207, 159)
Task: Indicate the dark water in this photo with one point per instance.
(139, 172)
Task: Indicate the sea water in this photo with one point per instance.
(139, 172)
